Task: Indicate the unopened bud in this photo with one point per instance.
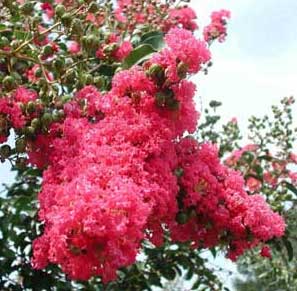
(20, 145)
(66, 19)
(21, 163)
(154, 69)
(60, 10)
(47, 50)
(46, 119)
(27, 8)
(93, 7)
(182, 218)
(35, 123)
(182, 70)
(31, 107)
(29, 131)
(9, 83)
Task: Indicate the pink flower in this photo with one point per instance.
(187, 49)
(184, 16)
(253, 184)
(32, 76)
(24, 95)
(234, 120)
(293, 176)
(217, 28)
(123, 51)
(266, 252)
(293, 158)
(48, 9)
(74, 47)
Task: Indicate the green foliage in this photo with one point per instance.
(138, 55)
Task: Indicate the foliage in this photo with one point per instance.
(98, 101)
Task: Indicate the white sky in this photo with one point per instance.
(256, 66)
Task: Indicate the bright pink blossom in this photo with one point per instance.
(185, 16)
(266, 252)
(74, 47)
(217, 28)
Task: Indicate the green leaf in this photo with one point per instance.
(155, 39)
(266, 158)
(214, 104)
(213, 252)
(168, 273)
(291, 187)
(196, 285)
(155, 280)
(63, 46)
(289, 248)
(106, 70)
(138, 55)
(189, 274)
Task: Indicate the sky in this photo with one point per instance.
(256, 66)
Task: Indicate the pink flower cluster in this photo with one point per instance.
(219, 210)
(184, 53)
(114, 174)
(217, 28)
(11, 114)
(184, 17)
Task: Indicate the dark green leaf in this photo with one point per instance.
(291, 187)
(155, 39)
(168, 273)
(289, 248)
(138, 55)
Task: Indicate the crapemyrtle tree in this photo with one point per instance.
(97, 117)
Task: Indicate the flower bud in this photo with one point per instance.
(38, 73)
(56, 116)
(181, 217)
(31, 107)
(182, 70)
(88, 79)
(27, 8)
(65, 98)
(29, 131)
(21, 163)
(66, 19)
(61, 114)
(92, 41)
(48, 50)
(4, 41)
(60, 10)
(9, 83)
(93, 7)
(46, 119)
(76, 26)
(154, 69)
(35, 123)
(20, 145)
(98, 81)
(178, 172)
